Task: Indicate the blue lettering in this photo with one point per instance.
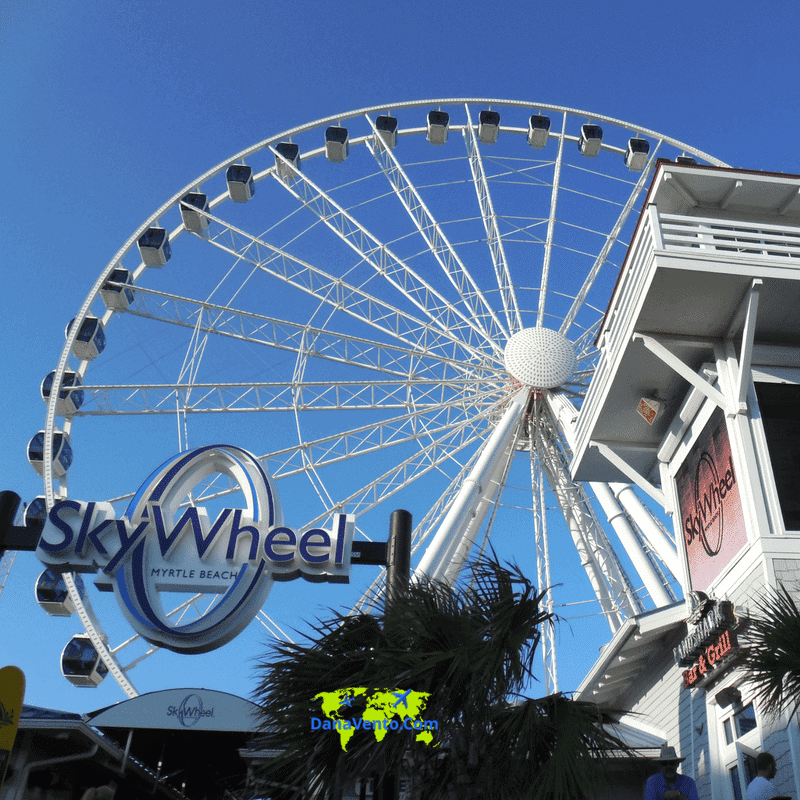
(126, 543)
(87, 535)
(316, 723)
(306, 542)
(165, 543)
(235, 531)
(394, 725)
(62, 525)
(271, 541)
(341, 522)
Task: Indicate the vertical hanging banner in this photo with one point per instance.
(12, 690)
(711, 508)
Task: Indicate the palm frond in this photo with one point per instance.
(471, 648)
(771, 651)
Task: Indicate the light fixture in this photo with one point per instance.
(649, 408)
(728, 696)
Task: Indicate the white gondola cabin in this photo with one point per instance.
(685, 160)
(117, 292)
(438, 126)
(35, 514)
(337, 144)
(287, 160)
(52, 594)
(387, 130)
(154, 247)
(636, 154)
(241, 186)
(62, 453)
(590, 141)
(538, 131)
(70, 395)
(90, 341)
(81, 664)
(193, 208)
(488, 126)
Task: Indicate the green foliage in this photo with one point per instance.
(472, 647)
(771, 651)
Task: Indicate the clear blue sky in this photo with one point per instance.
(107, 109)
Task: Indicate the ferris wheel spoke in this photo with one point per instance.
(611, 239)
(551, 223)
(205, 398)
(281, 334)
(410, 469)
(469, 293)
(493, 237)
(441, 314)
(367, 439)
(342, 296)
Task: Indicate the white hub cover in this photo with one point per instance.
(540, 358)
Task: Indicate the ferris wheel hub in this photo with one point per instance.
(540, 358)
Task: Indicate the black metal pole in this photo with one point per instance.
(398, 557)
(398, 573)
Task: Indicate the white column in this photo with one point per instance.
(473, 499)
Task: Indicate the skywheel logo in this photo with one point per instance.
(162, 545)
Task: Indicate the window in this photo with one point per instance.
(780, 412)
(740, 741)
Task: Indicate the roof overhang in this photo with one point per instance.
(673, 308)
(638, 642)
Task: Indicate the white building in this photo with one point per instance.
(696, 399)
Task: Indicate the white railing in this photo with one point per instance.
(623, 301)
(729, 236)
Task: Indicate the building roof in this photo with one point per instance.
(704, 235)
(191, 742)
(638, 642)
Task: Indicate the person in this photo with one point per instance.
(668, 784)
(761, 787)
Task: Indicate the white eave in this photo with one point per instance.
(640, 640)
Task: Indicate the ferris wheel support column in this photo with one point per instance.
(630, 541)
(473, 501)
(654, 533)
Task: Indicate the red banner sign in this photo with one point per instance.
(710, 506)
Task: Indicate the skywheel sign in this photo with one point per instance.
(162, 544)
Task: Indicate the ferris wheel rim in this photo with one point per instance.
(265, 144)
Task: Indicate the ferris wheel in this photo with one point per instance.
(392, 307)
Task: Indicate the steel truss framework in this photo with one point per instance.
(366, 306)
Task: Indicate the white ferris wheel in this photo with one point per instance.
(392, 307)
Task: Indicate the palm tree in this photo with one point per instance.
(771, 653)
(472, 647)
